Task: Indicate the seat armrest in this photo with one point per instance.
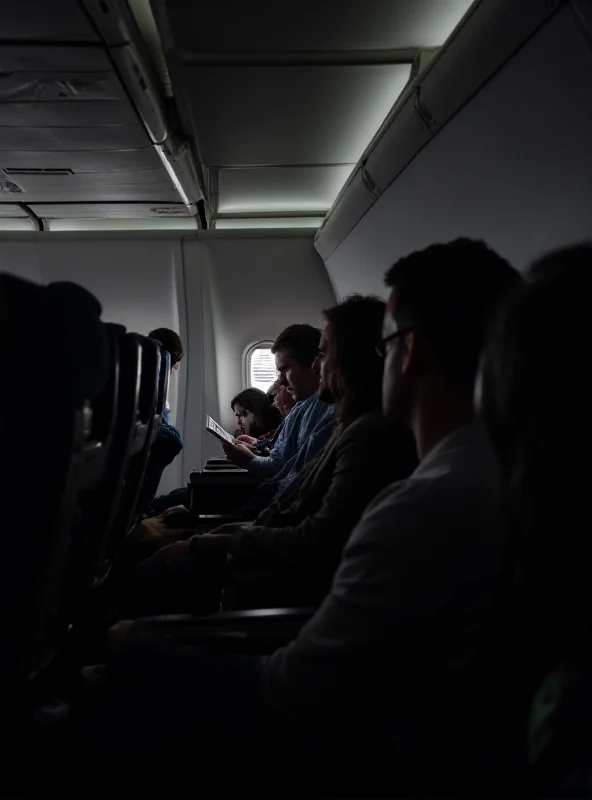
(257, 616)
(256, 631)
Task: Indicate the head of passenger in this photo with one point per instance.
(281, 398)
(349, 366)
(435, 324)
(172, 343)
(255, 414)
(295, 351)
(540, 428)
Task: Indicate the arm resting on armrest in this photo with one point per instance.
(257, 631)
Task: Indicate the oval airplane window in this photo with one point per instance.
(260, 366)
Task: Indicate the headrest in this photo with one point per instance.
(54, 329)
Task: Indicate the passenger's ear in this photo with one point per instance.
(316, 366)
(409, 352)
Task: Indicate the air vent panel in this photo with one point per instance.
(36, 171)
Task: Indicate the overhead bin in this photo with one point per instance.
(119, 31)
(83, 117)
(488, 36)
(350, 206)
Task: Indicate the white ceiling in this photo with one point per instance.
(282, 99)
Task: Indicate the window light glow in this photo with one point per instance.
(261, 368)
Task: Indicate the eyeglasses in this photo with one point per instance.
(381, 346)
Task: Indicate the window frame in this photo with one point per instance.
(262, 344)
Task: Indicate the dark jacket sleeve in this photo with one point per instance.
(369, 456)
(168, 443)
(165, 448)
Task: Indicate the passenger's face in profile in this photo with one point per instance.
(396, 391)
(323, 366)
(246, 419)
(299, 380)
(283, 401)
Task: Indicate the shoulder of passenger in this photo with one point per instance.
(373, 429)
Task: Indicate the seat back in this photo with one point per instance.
(94, 517)
(153, 469)
(152, 392)
(55, 424)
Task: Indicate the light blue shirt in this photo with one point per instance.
(303, 422)
(307, 430)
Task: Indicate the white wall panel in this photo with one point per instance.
(19, 256)
(513, 167)
(136, 283)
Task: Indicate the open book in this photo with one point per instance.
(215, 429)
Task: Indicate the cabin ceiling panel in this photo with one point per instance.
(280, 189)
(45, 20)
(294, 91)
(69, 129)
(290, 115)
(310, 25)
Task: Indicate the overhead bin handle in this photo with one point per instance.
(370, 183)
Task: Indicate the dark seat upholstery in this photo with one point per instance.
(141, 370)
(56, 362)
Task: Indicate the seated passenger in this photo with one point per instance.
(281, 399)
(313, 519)
(548, 501)
(257, 417)
(379, 672)
(307, 429)
(168, 443)
(295, 352)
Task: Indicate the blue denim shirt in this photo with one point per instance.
(299, 426)
(311, 425)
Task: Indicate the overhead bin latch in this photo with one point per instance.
(425, 115)
(370, 183)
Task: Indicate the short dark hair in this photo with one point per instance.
(171, 342)
(450, 292)
(356, 366)
(259, 403)
(301, 341)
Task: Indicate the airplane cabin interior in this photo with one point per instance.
(204, 208)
